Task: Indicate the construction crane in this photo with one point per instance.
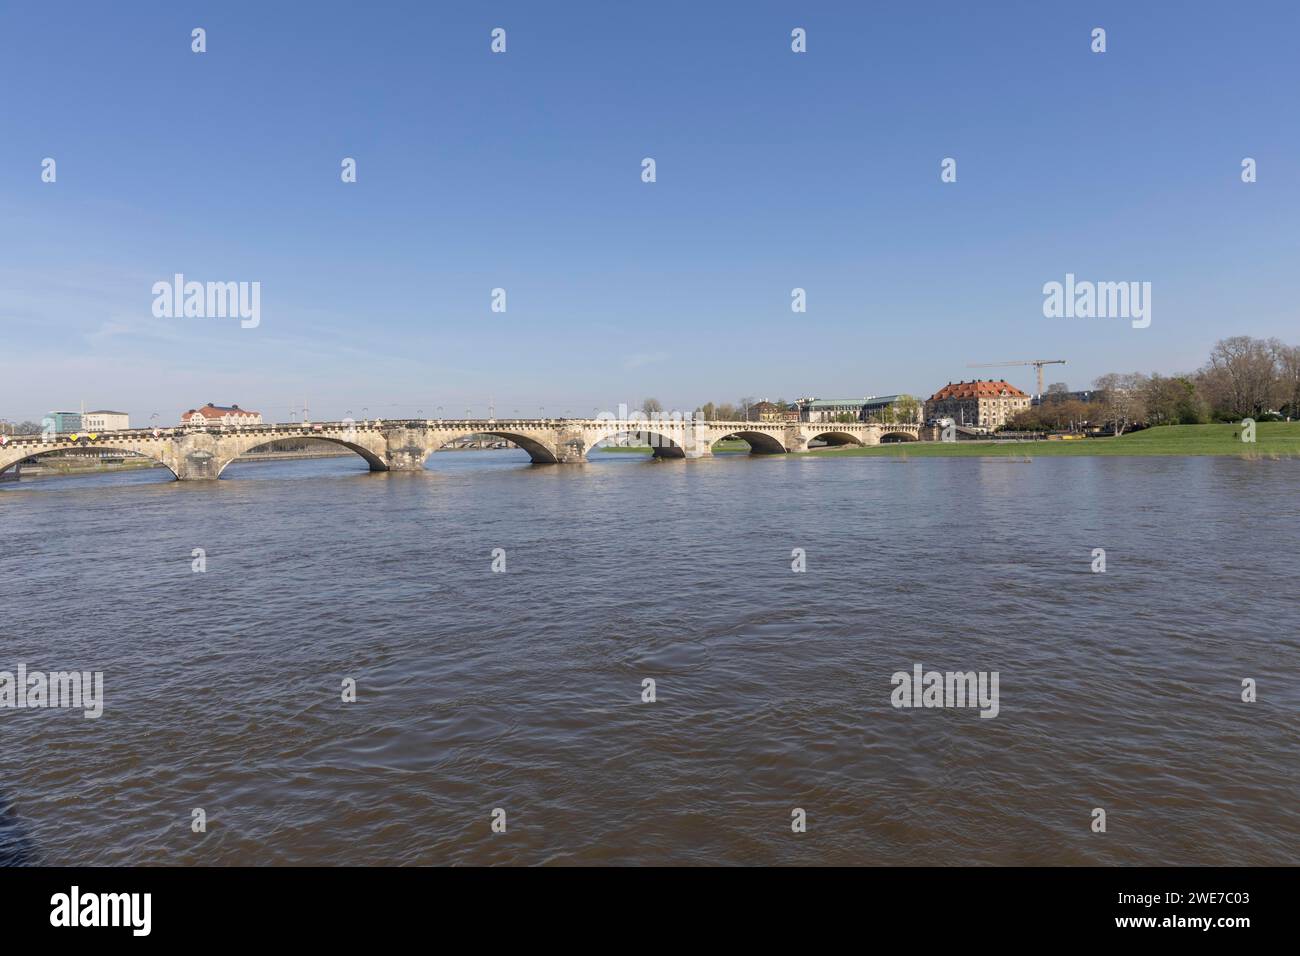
(1036, 363)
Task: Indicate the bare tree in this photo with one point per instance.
(1287, 360)
(1241, 377)
(1121, 399)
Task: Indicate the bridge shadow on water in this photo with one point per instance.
(16, 848)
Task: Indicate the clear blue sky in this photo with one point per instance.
(522, 170)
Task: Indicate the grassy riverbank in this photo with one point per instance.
(87, 466)
(1273, 440)
(740, 446)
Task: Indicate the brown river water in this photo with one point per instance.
(522, 690)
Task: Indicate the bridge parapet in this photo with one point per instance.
(203, 452)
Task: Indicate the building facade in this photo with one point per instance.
(104, 420)
(830, 409)
(764, 411)
(873, 408)
(982, 403)
(65, 423)
(211, 414)
(1084, 396)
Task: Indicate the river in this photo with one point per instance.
(522, 689)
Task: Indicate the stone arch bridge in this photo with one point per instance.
(198, 453)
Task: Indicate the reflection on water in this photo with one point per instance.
(522, 690)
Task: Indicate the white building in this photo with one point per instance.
(104, 420)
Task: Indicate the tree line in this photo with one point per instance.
(1243, 377)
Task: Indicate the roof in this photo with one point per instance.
(869, 400)
(218, 411)
(105, 411)
(982, 388)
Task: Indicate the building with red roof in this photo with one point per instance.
(985, 403)
(216, 414)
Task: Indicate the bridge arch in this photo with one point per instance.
(663, 444)
(760, 443)
(11, 456)
(373, 460)
(834, 437)
(892, 437)
(538, 450)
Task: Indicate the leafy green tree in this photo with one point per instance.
(907, 409)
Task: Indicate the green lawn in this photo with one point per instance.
(1273, 439)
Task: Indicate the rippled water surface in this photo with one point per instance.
(522, 690)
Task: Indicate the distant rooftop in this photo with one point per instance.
(217, 411)
(869, 400)
(979, 388)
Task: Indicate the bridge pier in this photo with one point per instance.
(794, 440)
(194, 457)
(688, 452)
(405, 449)
(570, 447)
